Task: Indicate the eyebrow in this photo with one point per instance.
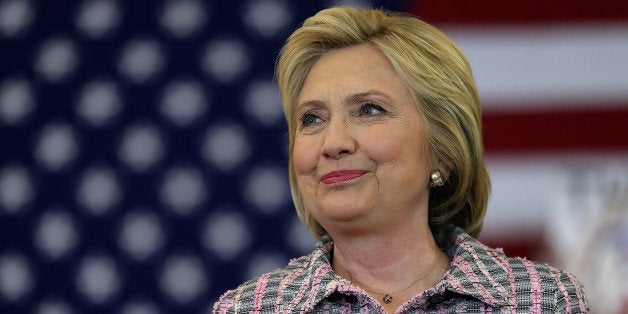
(353, 98)
(359, 96)
(309, 103)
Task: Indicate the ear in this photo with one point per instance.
(446, 170)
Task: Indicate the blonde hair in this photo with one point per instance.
(439, 78)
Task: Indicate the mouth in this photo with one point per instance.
(341, 176)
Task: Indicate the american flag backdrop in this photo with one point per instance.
(143, 152)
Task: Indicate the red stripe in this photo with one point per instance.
(589, 129)
(518, 11)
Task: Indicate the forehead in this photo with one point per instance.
(351, 70)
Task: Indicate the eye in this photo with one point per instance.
(309, 119)
(370, 110)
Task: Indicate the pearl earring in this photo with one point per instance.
(436, 178)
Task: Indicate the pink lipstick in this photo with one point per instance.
(341, 176)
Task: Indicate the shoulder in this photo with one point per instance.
(261, 292)
(545, 284)
(517, 283)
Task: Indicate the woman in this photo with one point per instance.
(386, 169)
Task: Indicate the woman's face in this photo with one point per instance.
(359, 148)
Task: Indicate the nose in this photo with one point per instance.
(339, 140)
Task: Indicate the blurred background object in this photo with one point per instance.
(143, 148)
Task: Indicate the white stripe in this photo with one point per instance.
(547, 65)
(527, 191)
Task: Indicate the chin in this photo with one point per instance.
(342, 210)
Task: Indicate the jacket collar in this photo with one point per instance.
(323, 278)
(476, 271)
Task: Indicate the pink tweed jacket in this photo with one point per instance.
(480, 280)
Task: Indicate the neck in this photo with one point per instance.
(401, 262)
(389, 256)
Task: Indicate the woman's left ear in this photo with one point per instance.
(445, 170)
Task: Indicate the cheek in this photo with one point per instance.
(398, 148)
(386, 145)
(305, 161)
(304, 156)
(386, 154)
